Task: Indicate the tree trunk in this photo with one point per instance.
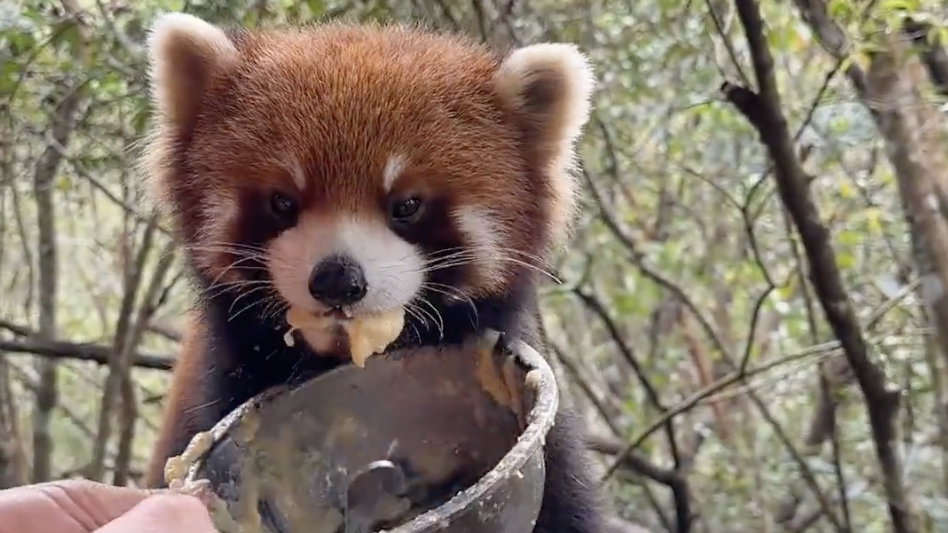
(43, 186)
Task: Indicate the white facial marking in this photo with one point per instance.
(220, 212)
(173, 39)
(568, 66)
(291, 165)
(296, 170)
(393, 268)
(393, 168)
(563, 67)
(483, 237)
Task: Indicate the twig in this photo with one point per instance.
(826, 388)
(121, 350)
(572, 368)
(932, 52)
(728, 45)
(677, 484)
(129, 412)
(633, 462)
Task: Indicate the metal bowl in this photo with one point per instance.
(446, 440)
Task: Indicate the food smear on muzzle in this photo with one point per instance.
(368, 335)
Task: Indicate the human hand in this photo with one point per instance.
(80, 506)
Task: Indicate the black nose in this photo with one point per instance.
(337, 281)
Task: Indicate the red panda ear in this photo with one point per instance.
(184, 52)
(548, 87)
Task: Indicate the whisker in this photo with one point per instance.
(267, 302)
(275, 306)
(224, 245)
(423, 314)
(234, 265)
(473, 253)
(455, 292)
(441, 288)
(450, 257)
(438, 319)
(244, 295)
(415, 329)
(228, 283)
(475, 260)
(219, 289)
(435, 268)
(532, 267)
(246, 307)
(411, 311)
(246, 254)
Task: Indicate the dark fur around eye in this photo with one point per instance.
(435, 233)
(262, 216)
(406, 210)
(284, 208)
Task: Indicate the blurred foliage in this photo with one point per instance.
(683, 268)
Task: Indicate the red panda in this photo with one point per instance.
(356, 169)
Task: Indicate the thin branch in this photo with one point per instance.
(677, 484)
(633, 462)
(121, 350)
(129, 412)
(576, 376)
(932, 52)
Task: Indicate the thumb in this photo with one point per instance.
(163, 513)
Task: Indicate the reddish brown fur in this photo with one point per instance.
(179, 401)
(438, 105)
(262, 123)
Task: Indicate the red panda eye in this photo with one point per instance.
(405, 211)
(282, 205)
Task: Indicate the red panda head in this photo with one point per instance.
(359, 166)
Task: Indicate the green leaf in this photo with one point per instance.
(845, 260)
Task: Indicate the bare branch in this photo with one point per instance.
(634, 462)
(933, 53)
(763, 110)
(95, 353)
(151, 300)
(122, 349)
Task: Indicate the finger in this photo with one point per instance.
(68, 506)
(163, 513)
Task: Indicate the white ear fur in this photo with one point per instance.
(559, 75)
(550, 85)
(183, 53)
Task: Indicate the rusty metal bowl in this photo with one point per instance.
(446, 440)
